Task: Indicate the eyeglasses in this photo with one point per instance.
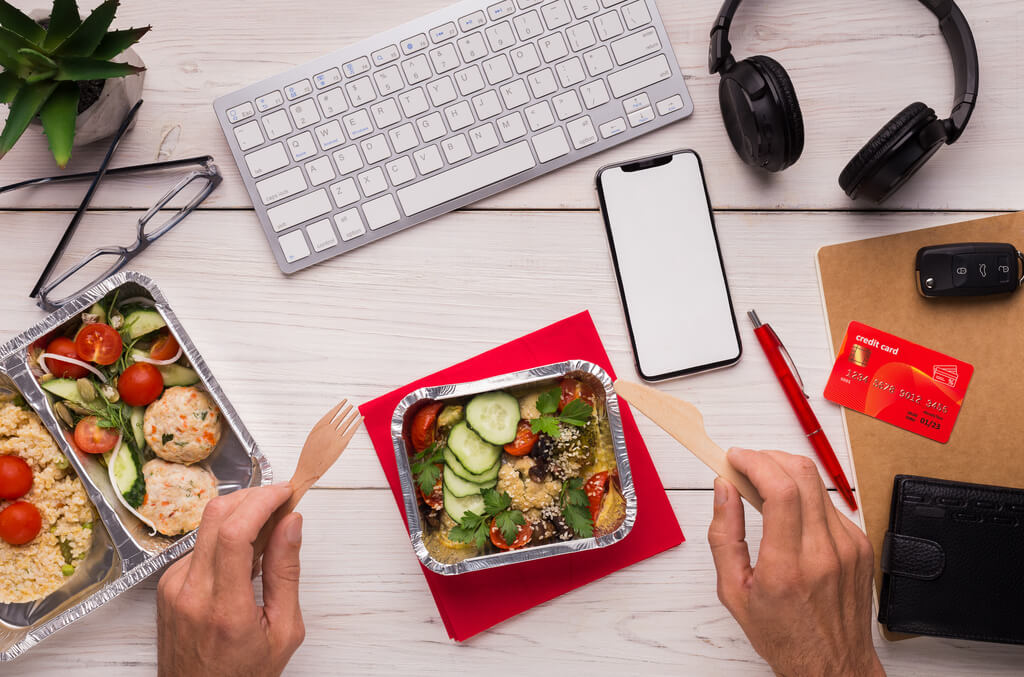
(105, 261)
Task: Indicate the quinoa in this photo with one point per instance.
(32, 571)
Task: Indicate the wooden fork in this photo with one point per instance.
(326, 441)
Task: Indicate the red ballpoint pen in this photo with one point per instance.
(793, 386)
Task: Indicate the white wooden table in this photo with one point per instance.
(286, 348)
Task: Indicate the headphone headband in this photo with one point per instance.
(955, 31)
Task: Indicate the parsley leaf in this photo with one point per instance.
(576, 413)
(508, 523)
(425, 468)
(474, 528)
(576, 508)
(548, 401)
(545, 424)
(495, 502)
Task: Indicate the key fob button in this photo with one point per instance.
(961, 266)
(1005, 276)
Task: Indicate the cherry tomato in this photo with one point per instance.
(423, 430)
(92, 439)
(524, 441)
(99, 343)
(594, 488)
(140, 384)
(15, 477)
(66, 347)
(435, 499)
(573, 389)
(20, 522)
(165, 347)
(522, 536)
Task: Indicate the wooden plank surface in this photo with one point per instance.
(853, 70)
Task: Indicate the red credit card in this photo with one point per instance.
(899, 382)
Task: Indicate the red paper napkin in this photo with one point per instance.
(467, 602)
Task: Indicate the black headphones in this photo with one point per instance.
(762, 114)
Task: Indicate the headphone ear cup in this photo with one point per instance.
(892, 155)
(761, 113)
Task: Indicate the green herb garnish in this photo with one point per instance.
(474, 528)
(166, 437)
(576, 508)
(576, 413)
(425, 468)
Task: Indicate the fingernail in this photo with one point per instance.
(721, 493)
(294, 532)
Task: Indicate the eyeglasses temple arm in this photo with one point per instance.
(149, 167)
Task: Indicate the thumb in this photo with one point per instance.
(281, 576)
(728, 548)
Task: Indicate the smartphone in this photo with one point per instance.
(669, 266)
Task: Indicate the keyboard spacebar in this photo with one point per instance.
(474, 175)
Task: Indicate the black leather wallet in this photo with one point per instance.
(953, 561)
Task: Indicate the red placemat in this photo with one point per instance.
(467, 602)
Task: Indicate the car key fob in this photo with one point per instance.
(968, 269)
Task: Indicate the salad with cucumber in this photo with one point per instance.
(125, 393)
(514, 468)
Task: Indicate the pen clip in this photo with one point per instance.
(789, 360)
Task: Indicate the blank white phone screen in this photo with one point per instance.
(675, 292)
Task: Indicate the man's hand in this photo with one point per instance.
(207, 619)
(806, 606)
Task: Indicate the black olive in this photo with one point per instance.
(434, 518)
(543, 447)
(539, 471)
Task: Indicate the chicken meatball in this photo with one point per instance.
(176, 495)
(183, 426)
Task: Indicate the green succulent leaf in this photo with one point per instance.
(11, 43)
(82, 68)
(58, 116)
(115, 42)
(87, 37)
(13, 18)
(37, 60)
(64, 19)
(9, 86)
(24, 107)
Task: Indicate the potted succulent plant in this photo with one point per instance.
(61, 69)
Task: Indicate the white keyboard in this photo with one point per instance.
(443, 111)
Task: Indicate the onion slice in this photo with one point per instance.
(150, 360)
(140, 300)
(61, 358)
(113, 485)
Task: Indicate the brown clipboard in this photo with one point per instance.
(873, 281)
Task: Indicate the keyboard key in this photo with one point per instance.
(320, 171)
(471, 21)
(636, 45)
(501, 10)
(321, 234)
(385, 55)
(635, 14)
(417, 69)
(611, 3)
(542, 83)
(400, 171)
(528, 25)
(556, 14)
(347, 160)
(514, 94)
(277, 125)
(266, 160)
(616, 126)
(344, 192)
(332, 102)
(582, 132)
(497, 69)
(298, 89)
(414, 44)
(580, 36)
(670, 105)
(282, 185)
(350, 224)
(598, 61)
(239, 113)
(248, 135)
(499, 36)
(525, 58)
(456, 149)
(570, 72)
(484, 138)
(553, 47)
(381, 212)
(372, 181)
(444, 58)
(487, 105)
(567, 104)
(608, 25)
(469, 80)
(331, 76)
(511, 127)
(454, 183)
(375, 149)
(304, 113)
(385, 113)
(460, 115)
(299, 210)
(293, 246)
(525, 4)
(357, 124)
(431, 127)
(269, 100)
(403, 138)
(360, 91)
(550, 144)
(389, 80)
(582, 8)
(472, 47)
(301, 146)
(442, 33)
(442, 91)
(594, 94)
(356, 66)
(539, 115)
(639, 75)
(413, 102)
(428, 159)
(641, 116)
(635, 103)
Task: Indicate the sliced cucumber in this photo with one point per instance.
(461, 488)
(456, 507)
(136, 418)
(489, 475)
(141, 322)
(99, 311)
(494, 416)
(475, 455)
(177, 375)
(64, 388)
(123, 470)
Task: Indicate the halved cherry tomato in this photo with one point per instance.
(66, 347)
(99, 343)
(15, 477)
(423, 430)
(524, 441)
(435, 499)
(594, 488)
(523, 536)
(140, 384)
(20, 522)
(165, 347)
(92, 439)
(573, 389)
